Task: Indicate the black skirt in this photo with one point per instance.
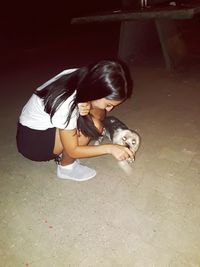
(36, 145)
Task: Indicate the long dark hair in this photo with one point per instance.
(108, 79)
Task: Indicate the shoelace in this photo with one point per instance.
(57, 159)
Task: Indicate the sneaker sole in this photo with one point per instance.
(75, 179)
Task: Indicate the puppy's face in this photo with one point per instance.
(127, 138)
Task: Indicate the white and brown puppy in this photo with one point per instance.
(119, 133)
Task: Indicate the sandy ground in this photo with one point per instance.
(148, 219)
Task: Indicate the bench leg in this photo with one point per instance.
(173, 46)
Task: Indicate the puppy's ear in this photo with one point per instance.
(133, 131)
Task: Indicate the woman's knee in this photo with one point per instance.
(82, 139)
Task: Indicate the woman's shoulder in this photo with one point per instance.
(59, 75)
(67, 71)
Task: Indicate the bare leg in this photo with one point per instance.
(58, 148)
(71, 169)
(97, 116)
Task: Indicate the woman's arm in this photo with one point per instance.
(69, 139)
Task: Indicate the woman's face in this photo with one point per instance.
(105, 104)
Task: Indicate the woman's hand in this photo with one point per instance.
(74, 148)
(121, 152)
(84, 108)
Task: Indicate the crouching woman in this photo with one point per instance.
(67, 111)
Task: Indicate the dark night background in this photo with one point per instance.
(37, 21)
(30, 26)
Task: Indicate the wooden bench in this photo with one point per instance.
(173, 47)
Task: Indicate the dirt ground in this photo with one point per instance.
(147, 219)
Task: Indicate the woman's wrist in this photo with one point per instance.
(108, 148)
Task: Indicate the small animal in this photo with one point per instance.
(119, 133)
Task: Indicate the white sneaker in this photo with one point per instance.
(75, 171)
